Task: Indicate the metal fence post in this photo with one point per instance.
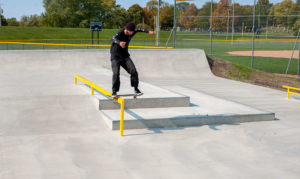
(158, 23)
(174, 26)
(210, 34)
(253, 34)
(298, 61)
(232, 23)
(287, 68)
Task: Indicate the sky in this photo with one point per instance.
(19, 8)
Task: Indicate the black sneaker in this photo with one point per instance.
(137, 91)
(114, 94)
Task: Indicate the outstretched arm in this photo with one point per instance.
(145, 30)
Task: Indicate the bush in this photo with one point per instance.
(84, 24)
(296, 27)
(3, 21)
(12, 22)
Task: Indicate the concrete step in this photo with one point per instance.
(146, 102)
(154, 96)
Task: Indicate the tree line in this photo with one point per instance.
(79, 13)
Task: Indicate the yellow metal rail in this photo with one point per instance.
(80, 45)
(289, 88)
(103, 91)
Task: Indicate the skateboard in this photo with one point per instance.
(125, 95)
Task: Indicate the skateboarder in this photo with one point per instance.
(121, 57)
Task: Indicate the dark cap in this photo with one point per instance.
(130, 26)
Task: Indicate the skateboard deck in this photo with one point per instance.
(125, 95)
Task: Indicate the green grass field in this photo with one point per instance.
(220, 45)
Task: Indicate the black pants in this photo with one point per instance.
(128, 65)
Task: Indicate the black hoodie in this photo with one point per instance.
(116, 51)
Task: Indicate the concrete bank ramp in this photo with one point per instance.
(160, 64)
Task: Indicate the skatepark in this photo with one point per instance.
(188, 124)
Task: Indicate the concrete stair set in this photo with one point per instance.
(174, 107)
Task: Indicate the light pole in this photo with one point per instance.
(158, 23)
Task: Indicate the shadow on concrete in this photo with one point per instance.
(214, 127)
(161, 130)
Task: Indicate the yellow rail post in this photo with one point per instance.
(121, 101)
(103, 91)
(288, 93)
(92, 90)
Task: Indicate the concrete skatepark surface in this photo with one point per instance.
(50, 128)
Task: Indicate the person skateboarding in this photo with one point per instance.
(121, 57)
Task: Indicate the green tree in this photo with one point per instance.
(281, 12)
(204, 22)
(135, 14)
(31, 21)
(187, 17)
(151, 10)
(118, 17)
(34, 20)
(296, 26)
(263, 7)
(181, 7)
(3, 20)
(220, 23)
(24, 21)
(73, 13)
(148, 17)
(152, 5)
(245, 21)
(167, 16)
(12, 22)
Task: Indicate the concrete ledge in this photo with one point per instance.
(185, 120)
(159, 102)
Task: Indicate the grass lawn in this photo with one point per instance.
(183, 40)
